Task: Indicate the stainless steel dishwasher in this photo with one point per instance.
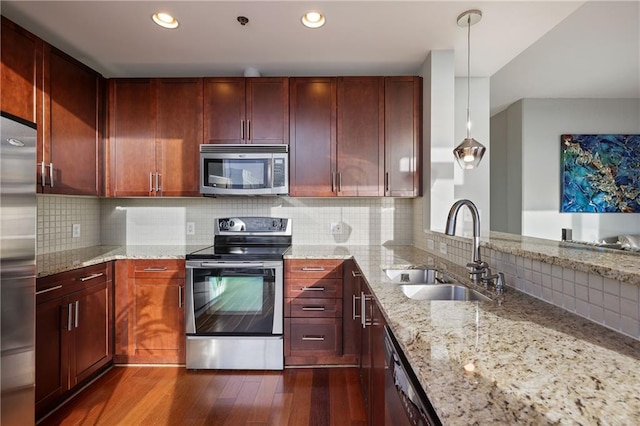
(405, 400)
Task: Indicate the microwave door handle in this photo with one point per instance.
(270, 174)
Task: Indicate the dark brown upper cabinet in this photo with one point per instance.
(246, 110)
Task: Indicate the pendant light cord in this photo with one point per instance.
(468, 76)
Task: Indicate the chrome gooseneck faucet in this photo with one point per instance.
(475, 217)
(479, 267)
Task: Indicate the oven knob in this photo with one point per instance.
(276, 224)
(231, 224)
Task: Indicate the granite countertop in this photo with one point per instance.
(533, 363)
(53, 263)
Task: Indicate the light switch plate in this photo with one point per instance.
(75, 230)
(191, 228)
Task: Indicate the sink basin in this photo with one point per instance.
(415, 276)
(442, 292)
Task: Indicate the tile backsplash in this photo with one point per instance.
(56, 217)
(164, 221)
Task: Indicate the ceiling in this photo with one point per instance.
(119, 39)
(517, 43)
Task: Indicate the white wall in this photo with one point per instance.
(540, 123)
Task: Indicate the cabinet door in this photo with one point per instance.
(21, 54)
(178, 136)
(360, 146)
(156, 311)
(53, 323)
(132, 163)
(267, 110)
(376, 398)
(72, 145)
(403, 111)
(224, 110)
(352, 325)
(92, 347)
(312, 137)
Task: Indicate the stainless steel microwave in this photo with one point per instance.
(244, 169)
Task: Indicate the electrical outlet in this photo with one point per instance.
(336, 228)
(191, 228)
(75, 230)
(430, 245)
(443, 248)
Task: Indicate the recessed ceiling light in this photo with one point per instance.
(313, 19)
(165, 20)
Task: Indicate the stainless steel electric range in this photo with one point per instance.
(234, 298)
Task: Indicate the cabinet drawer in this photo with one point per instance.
(313, 308)
(67, 282)
(314, 288)
(157, 268)
(313, 268)
(314, 336)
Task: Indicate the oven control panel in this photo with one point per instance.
(252, 224)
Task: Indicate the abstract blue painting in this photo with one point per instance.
(600, 174)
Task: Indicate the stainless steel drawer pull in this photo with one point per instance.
(90, 277)
(356, 274)
(150, 181)
(47, 290)
(69, 316)
(77, 312)
(313, 308)
(155, 269)
(312, 288)
(313, 269)
(51, 175)
(353, 306)
(313, 338)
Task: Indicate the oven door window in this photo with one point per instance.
(234, 301)
(237, 173)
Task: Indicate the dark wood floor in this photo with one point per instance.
(176, 396)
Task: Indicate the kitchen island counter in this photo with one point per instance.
(521, 361)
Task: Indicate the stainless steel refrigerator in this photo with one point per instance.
(17, 269)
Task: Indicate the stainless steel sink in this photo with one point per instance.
(415, 276)
(442, 292)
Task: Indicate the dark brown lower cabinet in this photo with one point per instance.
(73, 332)
(372, 357)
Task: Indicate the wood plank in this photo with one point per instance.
(137, 395)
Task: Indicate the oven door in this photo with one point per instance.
(234, 298)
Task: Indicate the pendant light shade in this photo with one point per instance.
(469, 153)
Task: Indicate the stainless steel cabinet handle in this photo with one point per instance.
(242, 129)
(77, 312)
(47, 290)
(339, 182)
(353, 306)
(248, 130)
(155, 269)
(157, 182)
(42, 174)
(313, 338)
(150, 181)
(333, 181)
(363, 309)
(51, 175)
(90, 277)
(180, 296)
(313, 308)
(355, 273)
(386, 182)
(313, 269)
(312, 289)
(69, 315)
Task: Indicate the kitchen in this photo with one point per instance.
(134, 222)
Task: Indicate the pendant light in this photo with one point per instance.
(470, 151)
